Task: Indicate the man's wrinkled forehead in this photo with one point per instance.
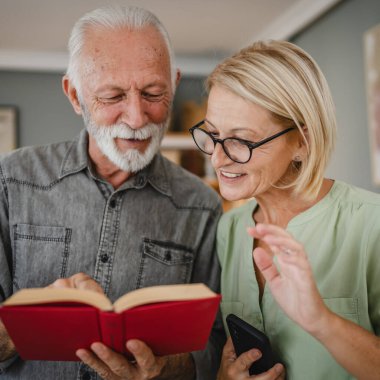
(124, 49)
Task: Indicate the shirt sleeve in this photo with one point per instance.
(7, 363)
(207, 270)
(373, 276)
(5, 255)
(5, 243)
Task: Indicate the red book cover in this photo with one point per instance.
(171, 319)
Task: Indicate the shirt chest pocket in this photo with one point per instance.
(345, 307)
(164, 263)
(40, 254)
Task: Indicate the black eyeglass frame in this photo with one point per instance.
(249, 144)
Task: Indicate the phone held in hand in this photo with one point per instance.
(245, 337)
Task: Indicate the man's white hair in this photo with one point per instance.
(113, 17)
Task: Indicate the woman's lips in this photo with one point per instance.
(229, 176)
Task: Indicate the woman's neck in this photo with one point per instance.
(280, 207)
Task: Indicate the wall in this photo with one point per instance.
(45, 114)
(336, 43)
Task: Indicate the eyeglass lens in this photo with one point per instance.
(234, 149)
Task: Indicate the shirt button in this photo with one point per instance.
(113, 203)
(86, 376)
(104, 258)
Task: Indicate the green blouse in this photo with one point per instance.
(341, 235)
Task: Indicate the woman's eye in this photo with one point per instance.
(210, 131)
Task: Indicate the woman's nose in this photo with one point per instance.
(219, 156)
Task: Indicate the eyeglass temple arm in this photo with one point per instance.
(256, 145)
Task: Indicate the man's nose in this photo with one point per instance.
(133, 112)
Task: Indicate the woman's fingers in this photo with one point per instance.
(265, 264)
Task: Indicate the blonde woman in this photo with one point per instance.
(312, 283)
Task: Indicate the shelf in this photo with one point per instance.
(179, 140)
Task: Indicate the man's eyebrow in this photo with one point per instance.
(156, 84)
(108, 87)
(111, 87)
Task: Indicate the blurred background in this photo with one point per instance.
(340, 34)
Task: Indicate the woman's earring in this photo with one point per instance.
(297, 158)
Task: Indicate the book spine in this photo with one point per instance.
(112, 331)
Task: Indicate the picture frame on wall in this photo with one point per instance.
(8, 128)
(372, 73)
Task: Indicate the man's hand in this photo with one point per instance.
(237, 368)
(111, 365)
(114, 366)
(79, 281)
(7, 348)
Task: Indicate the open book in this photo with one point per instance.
(52, 323)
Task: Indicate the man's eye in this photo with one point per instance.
(111, 99)
(151, 97)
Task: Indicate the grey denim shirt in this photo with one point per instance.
(57, 218)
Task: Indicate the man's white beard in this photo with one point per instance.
(131, 160)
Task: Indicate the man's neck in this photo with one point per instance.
(106, 169)
(112, 174)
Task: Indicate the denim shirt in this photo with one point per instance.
(57, 218)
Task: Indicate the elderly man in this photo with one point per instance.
(83, 213)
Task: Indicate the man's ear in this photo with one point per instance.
(71, 93)
(178, 78)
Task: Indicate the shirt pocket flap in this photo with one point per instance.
(45, 233)
(167, 253)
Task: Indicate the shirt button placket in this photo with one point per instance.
(108, 238)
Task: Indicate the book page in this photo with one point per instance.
(51, 295)
(162, 293)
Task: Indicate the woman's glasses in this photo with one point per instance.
(236, 149)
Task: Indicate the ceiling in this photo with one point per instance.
(34, 33)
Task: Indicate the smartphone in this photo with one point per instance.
(245, 337)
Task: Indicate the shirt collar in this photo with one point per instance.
(76, 157)
(156, 173)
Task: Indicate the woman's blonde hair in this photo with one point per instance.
(282, 78)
